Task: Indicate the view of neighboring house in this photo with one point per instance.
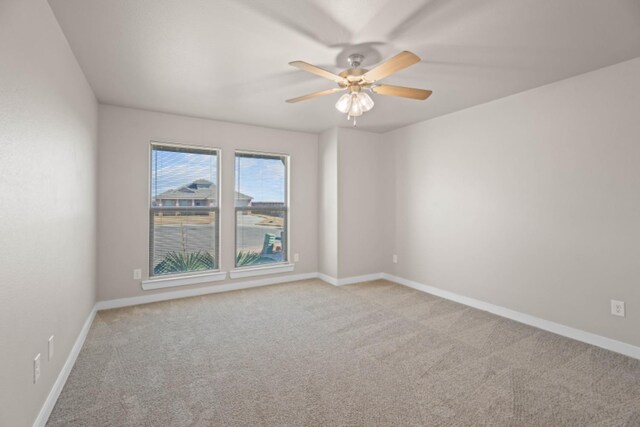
(200, 192)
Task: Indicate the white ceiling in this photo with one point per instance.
(227, 59)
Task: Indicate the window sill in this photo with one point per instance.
(193, 279)
(259, 271)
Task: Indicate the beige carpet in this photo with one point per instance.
(308, 353)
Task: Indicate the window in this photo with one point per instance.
(184, 210)
(261, 201)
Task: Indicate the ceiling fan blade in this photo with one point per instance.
(399, 62)
(318, 71)
(315, 95)
(405, 92)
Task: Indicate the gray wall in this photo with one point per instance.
(531, 202)
(328, 202)
(363, 200)
(47, 221)
(355, 178)
(123, 235)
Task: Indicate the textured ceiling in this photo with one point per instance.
(227, 60)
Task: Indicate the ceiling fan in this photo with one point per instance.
(358, 81)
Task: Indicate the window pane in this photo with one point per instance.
(183, 177)
(183, 241)
(184, 221)
(260, 237)
(261, 208)
(260, 179)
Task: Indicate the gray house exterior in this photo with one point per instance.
(201, 192)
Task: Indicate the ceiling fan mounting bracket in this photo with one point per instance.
(355, 59)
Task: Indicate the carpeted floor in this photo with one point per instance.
(308, 353)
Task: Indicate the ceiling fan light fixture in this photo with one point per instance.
(344, 103)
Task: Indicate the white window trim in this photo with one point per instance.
(261, 271)
(192, 279)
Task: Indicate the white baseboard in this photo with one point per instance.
(350, 280)
(556, 328)
(330, 280)
(359, 279)
(52, 398)
(164, 296)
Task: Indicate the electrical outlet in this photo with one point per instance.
(36, 368)
(137, 274)
(51, 347)
(395, 258)
(617, 308)
(296, 257)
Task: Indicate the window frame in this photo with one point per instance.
(286, 209)
(151, 209)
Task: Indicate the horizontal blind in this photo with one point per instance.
(184, 202)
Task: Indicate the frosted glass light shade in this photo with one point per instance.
(365, 101)
(344, 103)
(356, 109)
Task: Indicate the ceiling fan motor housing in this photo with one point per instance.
(355, 59)
(353, 74)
